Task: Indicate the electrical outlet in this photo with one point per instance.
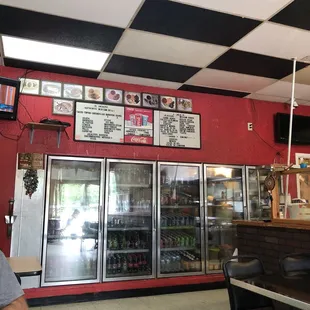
(250, 126)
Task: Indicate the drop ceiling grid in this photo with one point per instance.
(193, 45)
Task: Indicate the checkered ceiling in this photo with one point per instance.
(240, 48)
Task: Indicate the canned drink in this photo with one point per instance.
(144, 120)
(132, 120)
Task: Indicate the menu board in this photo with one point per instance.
(138, 126)
(99, 122)
(175, 129)
(95, 122)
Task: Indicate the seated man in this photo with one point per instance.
(11, 294)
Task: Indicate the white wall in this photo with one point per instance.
(27, 232)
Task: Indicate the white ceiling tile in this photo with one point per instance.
(164, 48)
(276, 40)
(229, 80)
(284, 89)
(137, 80)
(302, 76)
(267, 98)
(115, 13)
(257, 9)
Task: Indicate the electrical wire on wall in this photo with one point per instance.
(278, 155)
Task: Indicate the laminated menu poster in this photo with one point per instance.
(99, 122)
(138, 126)
(175, 129)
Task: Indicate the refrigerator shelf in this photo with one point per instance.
(133, 185)
(127, 228)
(213, 179)
(134, 213)
(177, 227)
(127, 251)
(177, 249)
(129, 274)
(179, 206)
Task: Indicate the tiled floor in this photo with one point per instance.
(203, 300)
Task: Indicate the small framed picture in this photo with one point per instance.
(184, 104)
(73, 91)
(63, 107)
(113, 96)
(51, 89)
(93, 93)
(150, 100)
(30, 86)
(168, 103)
(132, 98)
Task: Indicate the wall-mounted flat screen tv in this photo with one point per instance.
(300, 129)
(9, 96)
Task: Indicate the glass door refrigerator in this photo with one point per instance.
(129, 221)
(258, 199)
(180, 235)
(72, 244)
(225, 202)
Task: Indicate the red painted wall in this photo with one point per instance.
(225, 138)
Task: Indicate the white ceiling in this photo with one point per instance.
(109, 12)
(169, 49)
(257, 9)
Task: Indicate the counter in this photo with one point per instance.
(271, 240)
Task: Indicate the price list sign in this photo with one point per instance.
(99, 123)
(174, 129)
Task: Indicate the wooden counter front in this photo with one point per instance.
(280, 223)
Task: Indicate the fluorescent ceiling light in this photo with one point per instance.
(53, 54)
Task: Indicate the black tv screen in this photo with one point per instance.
(9, 96)
(300, 129)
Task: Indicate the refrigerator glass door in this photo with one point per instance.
(180, 235)
(129, 220)
(72, 234)
(255, 210)
(264, 197)
(224, 203)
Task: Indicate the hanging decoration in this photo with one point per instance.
(30, 181)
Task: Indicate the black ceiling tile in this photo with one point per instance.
(255, 64)
(295, 14)
(189, 22)
(213, 91)
(150, 69)
(16, 63)
(60, 30)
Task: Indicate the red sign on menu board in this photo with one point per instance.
(138, 126)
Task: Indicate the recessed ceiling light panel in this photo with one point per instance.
(53, 54)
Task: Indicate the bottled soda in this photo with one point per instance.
(125, 265)
(144, 262)
(130, 264)
(109, 265)
(135, 264)
(114, 265)
(119, 264)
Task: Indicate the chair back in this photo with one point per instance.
(244, 267)
(295, 264)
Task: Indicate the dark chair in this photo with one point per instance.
(244, 267)
(295, 264)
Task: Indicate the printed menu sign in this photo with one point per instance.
(177, 129)
(99, 122)
(138, 126)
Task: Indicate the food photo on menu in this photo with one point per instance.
(93, 93)
(167, 102)
(113, 96)
(132, 98)
(51, 89)
(150, 100)
(184, 104)
(30, 86)
(73, 91)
